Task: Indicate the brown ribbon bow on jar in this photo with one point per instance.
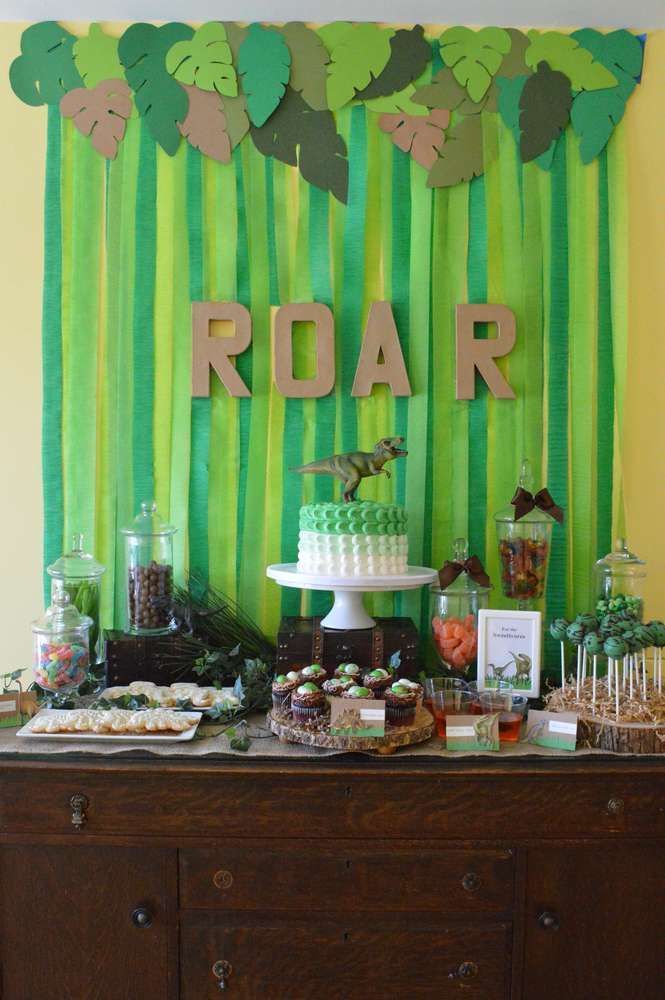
(524, 502)
(473, 566)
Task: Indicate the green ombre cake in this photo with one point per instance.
(362, 538)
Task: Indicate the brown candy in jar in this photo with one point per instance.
(523, 567)
(150, 596)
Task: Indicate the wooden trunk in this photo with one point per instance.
(302, 641)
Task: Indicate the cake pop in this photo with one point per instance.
(558, 630)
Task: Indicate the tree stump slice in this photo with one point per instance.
(421, 730)
(618, 737)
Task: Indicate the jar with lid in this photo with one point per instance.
(618, 580)
(149, 564)
(79, 575)
(524, 535)
(454, 608)
(61, 655)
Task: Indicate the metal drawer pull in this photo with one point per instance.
(222, 879)
(548, 921)
(221, 971)
(141, 917)
(465, 970)
(615, 806)
(79, 803)
(471, 882)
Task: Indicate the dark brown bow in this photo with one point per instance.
(524, 502)
(473, 566)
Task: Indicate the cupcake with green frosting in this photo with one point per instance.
(308, 702)
(282, 689)
(377, 681)
(314, 674)
(400, 704)
(348, 670)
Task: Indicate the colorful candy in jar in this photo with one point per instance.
(61, 646)
(61, 665)
(456, 640)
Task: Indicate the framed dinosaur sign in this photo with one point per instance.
(509, 650)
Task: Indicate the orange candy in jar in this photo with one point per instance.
(456, 640)
(463, 589)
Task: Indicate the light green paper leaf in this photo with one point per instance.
(309, 58)
(264, 64)
(461, 156)
(399, 102)
(96, 57)
(357, 59)
(333, 33)
(205, 60)
(565, 54)
(45, 70)
(474, 56)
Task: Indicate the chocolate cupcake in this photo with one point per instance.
(307, 702)
(313, 674)
(377, 681)
(356, 691)
(400, 705)
(348, 670)
(282, 689)
(414, 686)
(336, 686)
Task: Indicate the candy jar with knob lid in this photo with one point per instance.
(61, 656)
(618, 580)
(79, 574)
(149, 563)
(463, 589)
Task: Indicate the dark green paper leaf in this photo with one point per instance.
(510, 92)
(309, 58)
(264, 64)
(461, 156)
(45, 70)
(544, 111)
(409, 55)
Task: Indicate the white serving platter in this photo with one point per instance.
(26, 732)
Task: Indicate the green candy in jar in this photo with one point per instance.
(615, 647)
(559, 629)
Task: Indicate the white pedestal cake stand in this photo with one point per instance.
(348, 610)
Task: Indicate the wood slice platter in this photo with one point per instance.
(289, 731)
(621, 737)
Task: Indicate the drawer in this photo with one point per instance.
(246, 875)
(334, 959)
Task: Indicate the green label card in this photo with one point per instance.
(557, 730)
(472, 732)
(357, 717)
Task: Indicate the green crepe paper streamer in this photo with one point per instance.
(544, 104)
(564, 54)
(531, 278)
(52, 353)
(45, 70)
(264, 64)
(164, 323)
(355, 60)
(143, 320)
(461, 156)
(400, 103)
(619, 269)
(510, 93)
(474, 56)
(160, 100)
(244, 363)
(205, 60)
(96, 57)
(400, 281)
(410, 54)
(605, 394)
(309, 59)
(477, 429)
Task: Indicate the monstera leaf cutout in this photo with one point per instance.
(235, 36)
(309, 59)
(355, 61)
(445, 92)
(161, 102)
(297, 135)
(45, 70)
(474, 56)
(100, 112)
(204, 128)
(237, 119)
(565, 54)
(264, 63)
(400, 103)
(205, 60)
(410, 54)
(333, 33)
(544, 111)
(510, 93)
(96, 57)
(421, 137)
(461, 157)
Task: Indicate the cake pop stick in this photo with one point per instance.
(616, 690)
(615, 648)
(575, 633)
(593, 695)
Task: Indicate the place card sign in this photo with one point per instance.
(16, 708)
(472, 732)
(357, 717)
(557, 730)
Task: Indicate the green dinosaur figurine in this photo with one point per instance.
(357, 465)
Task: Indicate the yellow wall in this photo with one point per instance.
(21, 187)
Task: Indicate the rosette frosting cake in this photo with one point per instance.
(362, 538)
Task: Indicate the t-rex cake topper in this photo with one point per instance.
(356, 465)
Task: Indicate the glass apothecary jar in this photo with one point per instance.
(454, 609)
(149, 565)
(61, 651)
(79, 575)
(618, 580)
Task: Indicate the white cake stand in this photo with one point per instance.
(348, 610)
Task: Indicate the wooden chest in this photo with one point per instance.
(302, 641)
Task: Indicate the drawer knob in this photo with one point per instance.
(141, 917)
(222, 879)
(548, 921)
(221, 970)
(78, 804)
(615, 806)
(471, 882)
(465, 970)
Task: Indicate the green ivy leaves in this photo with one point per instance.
(264, 64)
(45, 70)
(355, 60)
(205, 60)
(474, 56)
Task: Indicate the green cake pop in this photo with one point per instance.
(558, 629)
(657, 629)
(645, 635)
(615, 647)
(575, 633)
(593, 643)
(590, 622)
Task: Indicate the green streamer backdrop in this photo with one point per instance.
(130, 244)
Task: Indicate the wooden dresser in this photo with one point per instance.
(150, 879)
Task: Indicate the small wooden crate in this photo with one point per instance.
(138, 658)
(302, 641)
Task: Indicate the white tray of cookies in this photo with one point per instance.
(149, 725)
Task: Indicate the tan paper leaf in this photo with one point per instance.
(421, 136)
(100, 113)
(204, 127)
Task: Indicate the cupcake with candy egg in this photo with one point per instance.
(358, 691)
(336, 686)
(314, 674)
(283, 687)
(414, 686)
(377, 681)
(400, 704)
(351, 670)
(308, 702)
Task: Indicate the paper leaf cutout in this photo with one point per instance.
(96, 57)
(264, 63)
(445, 92)
(510, 92)
(309, 58)
(422, 137)
(45, 70)
(474, 56)
(461, 157)
(205, 60)
(237, 120)
(410, 54)
(401, 103)
(297, 135)
(235, 36)
(100, 112)
(513, 63)
(618, 51)
(544, 111)
(354, 62)
(161, 102)
(565, 54)
(204, 127)
(333, 33)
